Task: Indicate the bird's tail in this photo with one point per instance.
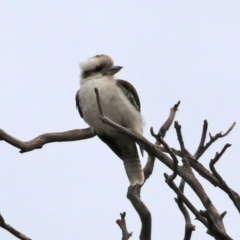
(134, 170)
(126, 149)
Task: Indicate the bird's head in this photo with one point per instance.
(98, 66)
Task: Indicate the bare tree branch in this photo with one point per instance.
(187, 175)
(161, 134)
(175, 160)
(216, 226)
(12, 230)
(189, 228)
(184, 199)
(232, 194)
(134, 196)
(216, 158)
(122, 224)
(202, 149)
(169, 121)
(209, 217)
(38, 142)
(203, 138)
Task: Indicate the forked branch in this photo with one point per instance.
(123, 226)
(38, 142)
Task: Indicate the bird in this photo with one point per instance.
(120, 103)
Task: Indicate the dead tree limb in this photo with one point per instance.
(186, 175)
(202, 148)
(38, 142)
(209, 216)
(12, 230)
(232, 194)
(189, 227)
(123, 226)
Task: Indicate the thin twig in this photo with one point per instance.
(175, 160)
(98, 102)
(184, 151)
(122, 224)
(169, 121)
(189, 227)
(233, 195)
(199, 153)
(203, 138)
(148, 169)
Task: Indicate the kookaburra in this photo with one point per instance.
(119, 102)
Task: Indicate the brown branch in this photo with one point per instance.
(12, 230)
(175, 151)
(154, 150)
(169, 121)
(38, 142)
(215, 231)
(134, 196)
(148, 169)
(122, 224)
(98, 102)
(203, 138)
(216, 158)
(202, 149)
(184, 151)
(175, 160)
(216, 226)
(212, 178)
(188, 176)
(189, 227)
(185, 200)
(232, 195)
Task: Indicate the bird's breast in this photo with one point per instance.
(114, 104)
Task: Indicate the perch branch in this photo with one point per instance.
(38, 142)
(12, 230)
(133, 195)
(122, 224)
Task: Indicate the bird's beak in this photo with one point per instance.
(111, 70)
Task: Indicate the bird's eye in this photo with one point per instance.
(98, 68)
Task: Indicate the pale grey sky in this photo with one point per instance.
(170, 51)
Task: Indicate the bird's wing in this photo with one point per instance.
(130, 92)
(77, 99)
(132, 95)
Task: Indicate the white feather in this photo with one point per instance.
(114, 103)
(89, 64)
